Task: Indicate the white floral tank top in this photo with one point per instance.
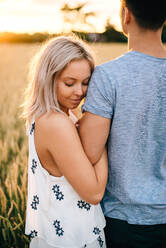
(55, 212)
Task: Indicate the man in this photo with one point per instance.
(126, 108)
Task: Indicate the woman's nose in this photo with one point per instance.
(79, 90)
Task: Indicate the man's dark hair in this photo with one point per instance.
(149, 14)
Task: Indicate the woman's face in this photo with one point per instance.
(72, 84)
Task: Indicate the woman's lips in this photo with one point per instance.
(76, 100)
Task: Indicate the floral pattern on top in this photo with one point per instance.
(96, 231)
(55, 188)
(35, 202)
(33, 234)
(82, 204)
(32, 128)
(58, 194)
(34, 165)
(101, 242)
(58, 228)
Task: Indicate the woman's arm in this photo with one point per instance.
(101, 169)
(63, 143)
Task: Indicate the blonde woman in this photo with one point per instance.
(64, 188)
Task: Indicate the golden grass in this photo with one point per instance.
(13, 140)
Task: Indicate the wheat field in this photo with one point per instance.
(14, 64)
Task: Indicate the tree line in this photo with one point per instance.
(110, 35)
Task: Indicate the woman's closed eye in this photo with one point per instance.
(69, 83)
(86, 81)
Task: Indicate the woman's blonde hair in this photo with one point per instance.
(56, 54)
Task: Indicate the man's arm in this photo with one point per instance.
(98, 111)
(94, 131)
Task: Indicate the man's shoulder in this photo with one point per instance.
(115, 63)
(113, 68)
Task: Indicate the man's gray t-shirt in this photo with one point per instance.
(131, 91)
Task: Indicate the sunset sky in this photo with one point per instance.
(45, 16)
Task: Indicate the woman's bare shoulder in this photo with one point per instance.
(54, 121)
(55, 130)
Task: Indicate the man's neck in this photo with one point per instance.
(147, 42)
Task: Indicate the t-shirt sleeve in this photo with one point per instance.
(100, 96)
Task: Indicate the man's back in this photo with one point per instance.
(136, 189)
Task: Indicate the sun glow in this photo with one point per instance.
(30, 25)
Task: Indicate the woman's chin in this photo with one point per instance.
(74, 106)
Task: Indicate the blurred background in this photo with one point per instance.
(24, 25)
(39, 18)
(35, 20)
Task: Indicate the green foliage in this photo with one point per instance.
(67, 8)
(111, 34)
(77, 14)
